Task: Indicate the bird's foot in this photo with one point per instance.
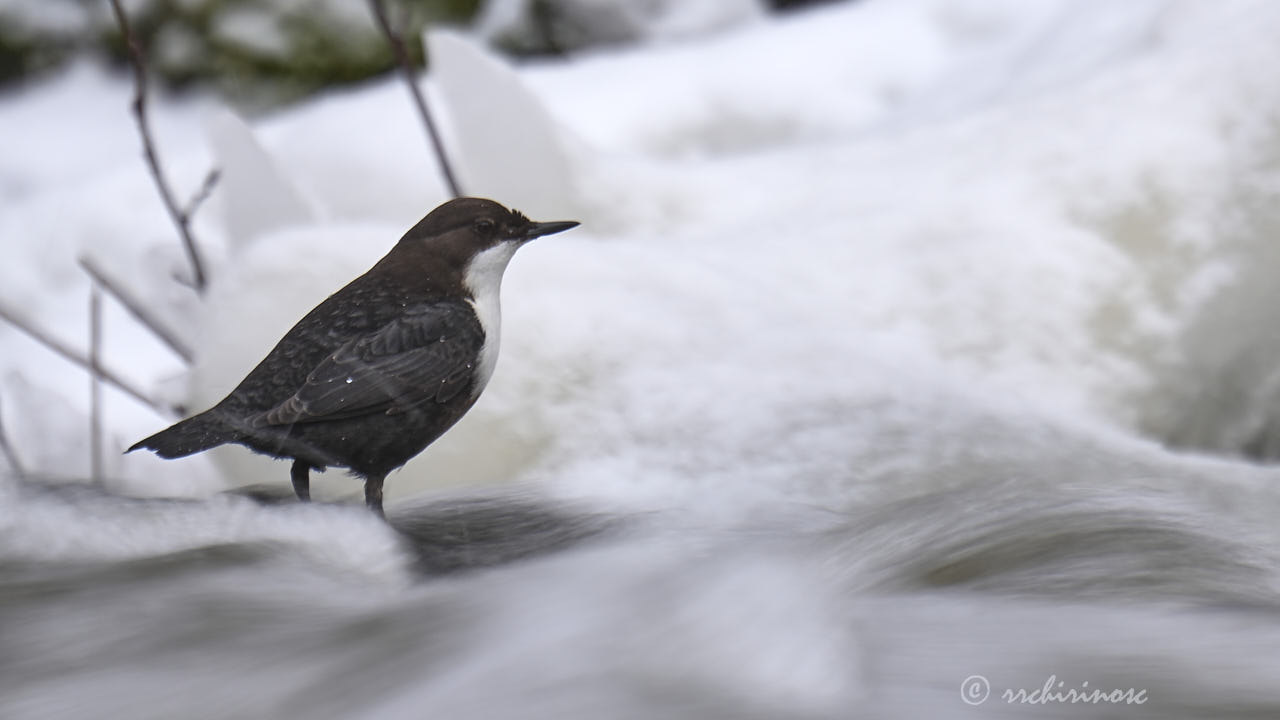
(373, 494)
(300, 473)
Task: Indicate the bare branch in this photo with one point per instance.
(9, 452)
(78, 358)
(95, 384)
(138, 310)
(181, 219)
(411, 79)
(206, 189)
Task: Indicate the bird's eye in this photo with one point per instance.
(484, 226)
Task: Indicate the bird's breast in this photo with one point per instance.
(483, 279)
(490, 316)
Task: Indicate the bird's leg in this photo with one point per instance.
(300, 473)
(373, 493)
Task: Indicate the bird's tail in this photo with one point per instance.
(192, 435)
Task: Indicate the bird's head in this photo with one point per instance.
(475, 236)
(469, 226)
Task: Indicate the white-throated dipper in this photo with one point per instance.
(384, 366)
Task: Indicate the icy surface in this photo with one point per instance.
(907, 341)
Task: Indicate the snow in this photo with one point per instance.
(1036, 200)
(1005, 265)
(256, 197)
(526, 162)
(1039, 199)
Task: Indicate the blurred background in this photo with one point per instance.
(910, 354)
(263, 55)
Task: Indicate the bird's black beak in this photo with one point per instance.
(538, 229)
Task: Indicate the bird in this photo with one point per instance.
(383, 367)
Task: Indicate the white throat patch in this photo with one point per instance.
(483, 278)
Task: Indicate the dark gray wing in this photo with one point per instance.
(424, 356)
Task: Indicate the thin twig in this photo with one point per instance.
(411, 79)
(181, 219)
(137, 309)
(206, 189)
(95, 384)
(78, 358)
(10, 453)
